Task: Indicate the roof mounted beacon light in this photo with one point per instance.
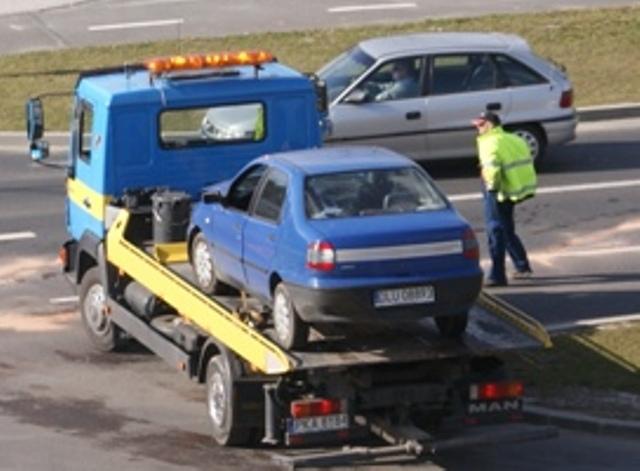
(218, 60)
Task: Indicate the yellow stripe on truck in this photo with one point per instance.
(87, 198)
(192, 304)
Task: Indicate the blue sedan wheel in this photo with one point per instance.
(203, 267)
(291, 331)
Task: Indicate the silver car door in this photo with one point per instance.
(384, 109)
(461, 86)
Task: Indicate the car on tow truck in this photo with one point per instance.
(339, 235)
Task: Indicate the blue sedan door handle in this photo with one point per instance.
(271, 237)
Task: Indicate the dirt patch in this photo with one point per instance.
(184, 448)
(19, 269)
(6, 367)
(81, 417)
(113, 358)
(36, 323)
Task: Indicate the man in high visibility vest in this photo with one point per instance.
(509, 177)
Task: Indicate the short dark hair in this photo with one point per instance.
(490, 116)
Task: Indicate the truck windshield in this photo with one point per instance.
(344, 70)
(370, 192)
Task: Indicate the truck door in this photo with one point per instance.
(85, 186)
(227, 229)
(262, 231)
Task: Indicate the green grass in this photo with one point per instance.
(599, 48)
(605, 359)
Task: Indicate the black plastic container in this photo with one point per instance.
(171, 211)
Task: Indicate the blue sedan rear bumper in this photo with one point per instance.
(355, 305)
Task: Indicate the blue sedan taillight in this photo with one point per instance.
(470, 248)
(321, 256)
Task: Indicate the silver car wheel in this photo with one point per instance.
(282, 315)
(532, 141)
(96, 318)
(217, 397)
(202, 263)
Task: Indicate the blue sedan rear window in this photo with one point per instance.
(370, 192)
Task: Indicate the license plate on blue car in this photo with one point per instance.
(404, 296)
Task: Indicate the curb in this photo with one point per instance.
(606, 112)
(581, 422)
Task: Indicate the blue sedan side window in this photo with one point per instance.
(243, 188)
(271, 199)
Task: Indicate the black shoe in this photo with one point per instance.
(489, 283)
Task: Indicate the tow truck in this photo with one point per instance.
(156, 133)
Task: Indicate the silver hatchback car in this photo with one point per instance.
(417, 94)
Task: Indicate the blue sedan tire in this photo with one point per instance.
(203, 267)
(452, 326)
(291, 331)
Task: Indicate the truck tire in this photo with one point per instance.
(291, 331)
(203, 267)
(452, 326)
(534, 137)
(104, 335)
(223, 403)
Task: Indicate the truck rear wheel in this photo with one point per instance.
(104, 335)
(452, 326)
(223, 403)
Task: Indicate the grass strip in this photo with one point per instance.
(599, 48)
(606, 359)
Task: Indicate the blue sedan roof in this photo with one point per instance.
(340, 159)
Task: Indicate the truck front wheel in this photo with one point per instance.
(223, 403)
(104, 335)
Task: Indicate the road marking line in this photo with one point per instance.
(377, 6)
(64, 300)
(598, 252)
(563, 326)
(17, 236)
(550, 190)
(134, 25)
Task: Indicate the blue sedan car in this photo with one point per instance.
(337, 235)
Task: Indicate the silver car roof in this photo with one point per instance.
(424, 43)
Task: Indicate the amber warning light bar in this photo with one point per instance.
(219, 60)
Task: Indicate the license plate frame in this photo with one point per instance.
(405, 296)
(318, 424)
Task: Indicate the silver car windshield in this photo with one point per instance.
(343, 70)
(370, 192)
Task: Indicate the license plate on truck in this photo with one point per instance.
(404, 296)
(325, 423)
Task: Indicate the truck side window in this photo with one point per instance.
(271, 198)
(192, 127)
(85, 130)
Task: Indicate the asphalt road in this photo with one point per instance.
(65, 407)
(45, 24)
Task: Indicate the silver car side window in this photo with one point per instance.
(398, 79)
(460, 73)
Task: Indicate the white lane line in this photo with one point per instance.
(9, 236)
(599, 252)
(375, 6)
(134, 25)
(64, 300)
(550, 190)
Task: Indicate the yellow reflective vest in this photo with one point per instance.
(506, 165)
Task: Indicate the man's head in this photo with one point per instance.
(486, 121)
(401, 69)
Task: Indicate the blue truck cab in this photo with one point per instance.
(174, 123)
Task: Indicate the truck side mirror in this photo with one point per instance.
(213, 197)
(35, 119)
(38, 148)
(322, 97)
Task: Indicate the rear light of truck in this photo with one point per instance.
(316, 407)
(566, 99)
(470, 248)
(496, 390)
(321, 256)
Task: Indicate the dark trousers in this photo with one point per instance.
(502, 237)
